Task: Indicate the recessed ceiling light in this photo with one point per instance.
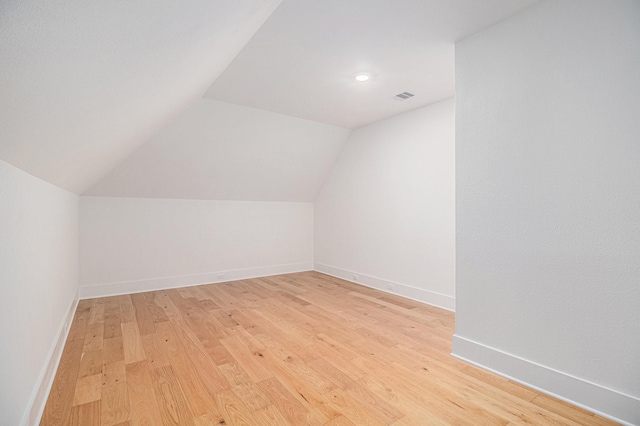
(363, 77)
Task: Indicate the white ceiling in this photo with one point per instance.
(84, 82)
(302, 61)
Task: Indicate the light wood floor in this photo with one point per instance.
(298, 349)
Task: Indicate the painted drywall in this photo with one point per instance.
(132, 244)
(548, 200)
(303, 60)
(220, 151)
(386, 211)
(39, 281)
(85, 83)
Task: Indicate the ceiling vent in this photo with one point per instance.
(402, 96)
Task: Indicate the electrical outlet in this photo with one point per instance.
(355, 277)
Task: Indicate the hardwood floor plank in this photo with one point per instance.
(155, 308)
(173, 406)
(508, 386)
(144, 408)
(114, 372)
(144, 318)
(88, 389)
(219, 354)
(199, 399)
(207, 329)
(163, 300)
(132, 343)
(295, 349)
(112, 321)
(223, 318)
(353, 411)
(209, 419)
(234, 374)
(233, 410)
(115, 407)
(57, 411)
(93, 337)
(113, 350)
(90, 363)
(78, 328)
(270, 416)
(127, 312)
(85, 414)
(243, 356)
(340, 421)
(154, 352)
(210, 374)
(96, 314)
(290, 408)
(444, 405)
(562, 408)
(414, 414)
(84, 305)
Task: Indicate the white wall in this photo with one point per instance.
(386, 212)
(548, 201)
(39, 281)
(221, 151)
(134, 244)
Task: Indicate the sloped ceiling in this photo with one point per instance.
(221, 151)
(84, 83)
(303, 60)
(90, 89)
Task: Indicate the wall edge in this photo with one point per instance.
(593, 397)
(420, 295)
(163, 283)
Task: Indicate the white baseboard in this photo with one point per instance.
(38, 399)
(624, 409)
(418, 294)
(140, 286)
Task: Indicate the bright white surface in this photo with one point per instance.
(387, 209)
(38, 272)
(304, 59)
(163, 283)
(129, 239)
(547, 155)
(222, 151)
(83, 83)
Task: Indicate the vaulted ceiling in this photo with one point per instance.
(105, 97)
(84, 83)
(304, 58)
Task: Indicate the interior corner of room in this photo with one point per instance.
(210, 145)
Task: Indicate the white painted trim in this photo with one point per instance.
(140, 286)
(38, 399)
(413, 293)
(605, 402)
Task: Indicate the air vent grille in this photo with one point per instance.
(402, 96)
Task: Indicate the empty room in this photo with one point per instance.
(304, 212)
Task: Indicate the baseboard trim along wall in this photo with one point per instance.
(417, 294)
(598, 399)
(35, 409)
(140, 286)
